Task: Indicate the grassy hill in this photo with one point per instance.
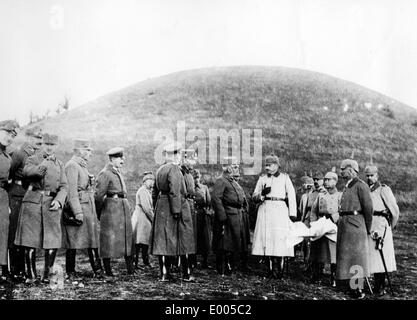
(311, 120)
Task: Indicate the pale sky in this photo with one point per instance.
(84, 49)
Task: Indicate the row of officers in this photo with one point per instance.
(47, 205)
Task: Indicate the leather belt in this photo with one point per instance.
(383, 213)
(236, 206)
(349, 213)
(116, 195)
(47, 193)
(274, 199)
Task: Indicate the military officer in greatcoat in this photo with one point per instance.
(17, 191)
(8, 131)
(323, 250)
(385, 218)
(354, 228)
(172, 230)
(274, 190)
(187, 167)
(113, 211)
(80, 223)
(307, 187)
(228, 201)
(39, 223)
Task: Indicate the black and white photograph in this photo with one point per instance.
(193, 151)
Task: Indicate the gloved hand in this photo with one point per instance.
(55, 205)
(265, 191)
(42, 170)
(177, 215)
(79, 217)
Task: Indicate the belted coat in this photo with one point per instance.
(4, 204)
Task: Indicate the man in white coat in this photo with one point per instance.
(278, 208)
(385, 218)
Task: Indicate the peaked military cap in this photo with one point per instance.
(349, 163)
(116, 152)
(82, 144)
(148, 175)
(9, 126)
(35, 131)
(172, 147)
(331, 175)
(371, 169)
(50, 138)
(272, 158)
(307, 180)
(318, 175)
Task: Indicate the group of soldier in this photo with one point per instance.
(47, 205)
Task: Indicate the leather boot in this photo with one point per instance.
(136, 258)
(52, 256)
(46, 269)
(314, 272)
(129, 265)
(145, 255)
(187, 269)
(5, 275)
(95, 263)
(70, 255)
(107, 267)
(220, 262)
(30, 258)
(164, 269)
(379, 289)
(270, 266)
(333, 275)
(20, 263)
(245, 262)
(204, 263)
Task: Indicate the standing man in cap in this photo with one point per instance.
(274, 190)
(113, 211)
(142, 219)
(80, 224)
(172, 231)
(17, 191)
(323, 250)
(39, 223)
(8, 131)
(307, 187)
(385, 218)
(187, 167)
(204, 218)
(228, 201)
(354, 228)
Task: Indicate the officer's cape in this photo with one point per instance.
(322, 227)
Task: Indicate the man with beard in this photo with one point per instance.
(17, 191)
(228, 201)
(274, 190)
(113, 211)
(39, 223)
(354, 228)
(323, 250)
(8, 131)
(172, 230)
(385, 218)
(80, 224)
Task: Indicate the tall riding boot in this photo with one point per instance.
(164, 268)
(229, 262)
(5, 274)
(30, 257)
(95, 263)
(220, 261)
(186, 268)
(20, 262)
(244, 257)
(107, 267)
(270, 266)
(129, 265)
(333, 275)
(145, 255)
(379, 289)
(204, 262)
(314, 272)
(70, 255)
(280, 267)
(136, 258)
(46, 268)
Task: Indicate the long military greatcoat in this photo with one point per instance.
(204, 219)
(38, 226)
(4, 204)
(170, 236)
(114, 214)
(18, 187)
(352, 250)
(190, 187)
(273, 222)
(143, 216)
(323, 250)
(383, 199)
(80, 200)
(228, 200)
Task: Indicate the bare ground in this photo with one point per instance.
(210, 286)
